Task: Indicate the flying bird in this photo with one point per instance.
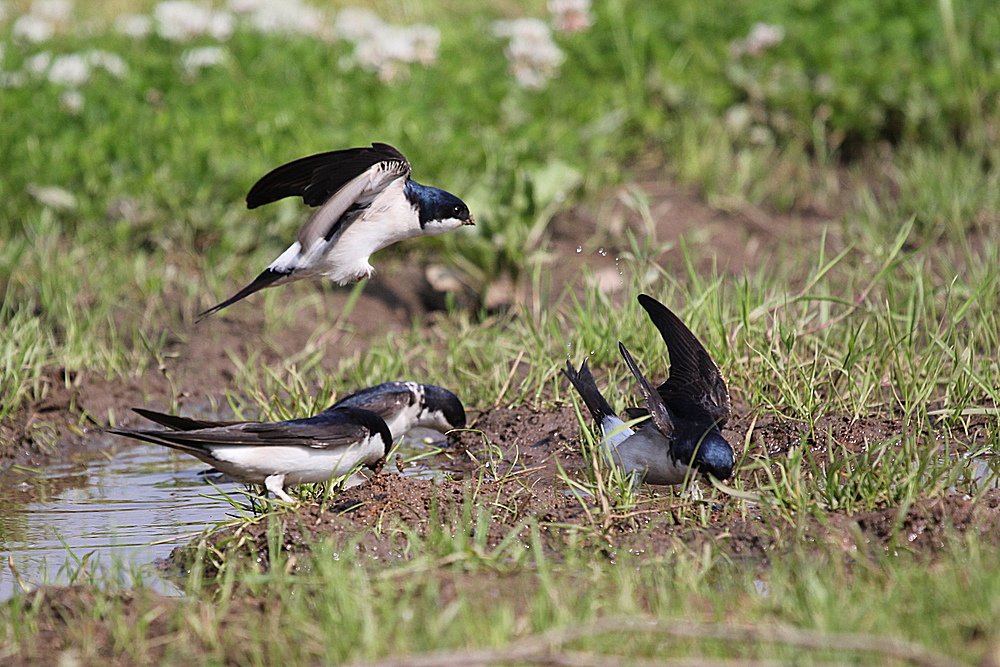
(686, 412)
(366, 202)
(407, 405)
(276, 454)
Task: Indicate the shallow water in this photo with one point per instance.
(114, 514)
(121, 512)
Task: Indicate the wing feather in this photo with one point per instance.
(658, 409)
(385, 400)
(356, 194)
(324, 430)
(694, 377)
(316, 178)
(179, 423)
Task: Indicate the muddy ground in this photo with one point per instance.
(520, 476)
(522, 479)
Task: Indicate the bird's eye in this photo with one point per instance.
(458, 211)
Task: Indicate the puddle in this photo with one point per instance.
(422, 452)
(122, 512)
(115, 514)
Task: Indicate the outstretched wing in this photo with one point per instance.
(342, 183)
(694, 377)
(316, 178)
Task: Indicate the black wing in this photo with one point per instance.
(385, 399)
(316, 178)
(332, 428)
(659, 412)
(694, 377)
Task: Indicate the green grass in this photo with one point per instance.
(454, 595)
(883, 115)
(177, 155)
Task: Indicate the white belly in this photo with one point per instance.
(300, 465)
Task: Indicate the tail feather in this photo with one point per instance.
(165, 438)
(267, 278)
(586, 386)
(179, 423)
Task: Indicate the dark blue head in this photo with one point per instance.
(715, 456)
(439, 211)
(703, 447)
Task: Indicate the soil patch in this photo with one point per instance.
(519, 467)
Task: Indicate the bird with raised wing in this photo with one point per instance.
(276, 454)
(686, 412)
(366, 201)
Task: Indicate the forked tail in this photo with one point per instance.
(267, 278)
(584, 383)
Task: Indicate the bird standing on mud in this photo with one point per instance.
(366, 202)
(686, 412)
(276, 454)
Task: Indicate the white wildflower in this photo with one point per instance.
(112, 63)
(245, 7)
(534, 57)
(570, 15)
(288, 17)
(134, 25)
(180, 20)
(72, 101)
(386, 48)
(55, 11)
(355, 24)
(195, 60)
(425, 42)
(762, 37)
(74, 69)
(38, 63)
(32, 28)
(391, 47)
(761, 136)
(738, 118)
(69, 70)
(221, 26)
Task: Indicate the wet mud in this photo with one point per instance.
(522, 469)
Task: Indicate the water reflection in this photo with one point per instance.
(111, 513)
(126, 508)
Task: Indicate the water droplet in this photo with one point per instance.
(604, 253)
(579, 248)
